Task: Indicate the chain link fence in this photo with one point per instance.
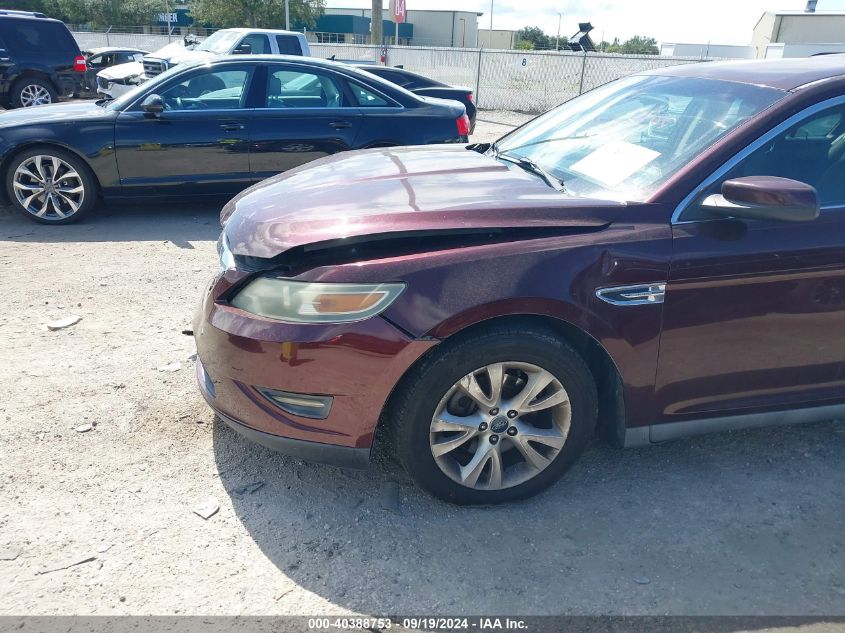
(524, 81)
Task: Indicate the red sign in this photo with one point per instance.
(397, 10)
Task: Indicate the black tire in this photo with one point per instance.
(89, 183)
(33, 84)
(410, 412)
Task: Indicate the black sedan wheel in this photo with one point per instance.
(495, 416)
(50, 186)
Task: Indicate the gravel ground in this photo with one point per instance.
(107, 447)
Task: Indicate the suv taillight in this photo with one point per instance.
(79, 64)
(463, 125)
(469, 96)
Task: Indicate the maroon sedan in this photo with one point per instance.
(662, 256)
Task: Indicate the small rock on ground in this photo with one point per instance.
(206, 508)
(62, 323)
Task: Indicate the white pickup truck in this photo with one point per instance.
(113, 82)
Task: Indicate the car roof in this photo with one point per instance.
(113, 49)
(272, 31)
(782, 74)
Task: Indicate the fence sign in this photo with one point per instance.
(522, 61)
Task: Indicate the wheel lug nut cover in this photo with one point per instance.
(512, 413)
(494, 439)
(512, 431)
(482, 426)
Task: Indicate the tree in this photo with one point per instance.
(532, 35)
(640, 45)
(256, 13)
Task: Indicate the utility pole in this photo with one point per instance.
(557, 39)
(287, 15)
(376, 31)
(491, 20)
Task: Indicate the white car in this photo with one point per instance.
(114, 81)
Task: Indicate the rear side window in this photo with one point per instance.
(288, 45)
(366, 98)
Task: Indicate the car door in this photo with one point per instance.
(754, 310)
(199, 144)
(304, 115)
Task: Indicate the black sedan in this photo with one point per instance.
(208, 128)
(425, 87)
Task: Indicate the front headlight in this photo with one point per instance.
(303, 302)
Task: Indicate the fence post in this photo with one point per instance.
(478, 76)
(583, 70)
(108, 30)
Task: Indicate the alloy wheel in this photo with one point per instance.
(500, 425)
(48, 187)
(35, 94)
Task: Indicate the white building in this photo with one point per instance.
(704, 51)
(497, 38)
(799, 33)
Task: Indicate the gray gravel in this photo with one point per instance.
(103, 522)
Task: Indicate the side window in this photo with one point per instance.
(258, 42)
(812, 151)
(297, 89)
(136, 57)
(366, 98)
(96, 62)
(288, 45)
(208, 90)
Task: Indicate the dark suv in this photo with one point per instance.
(39, 60)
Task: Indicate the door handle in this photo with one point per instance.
(232, 127)
(340, 125)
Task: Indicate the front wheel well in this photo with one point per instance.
(7, 162)
(608, 381)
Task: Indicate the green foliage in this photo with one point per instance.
(637, 45)
(524, 46)
(532, 37)
(256, 13)
(94, 12)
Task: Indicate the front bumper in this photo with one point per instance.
(355, 364)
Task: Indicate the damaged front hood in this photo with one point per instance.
(399, 191)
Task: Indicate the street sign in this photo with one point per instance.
(398, 11)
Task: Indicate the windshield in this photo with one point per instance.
(219, 43)
(623, 140)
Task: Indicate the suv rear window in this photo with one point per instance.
(38, 39)
(288, 45)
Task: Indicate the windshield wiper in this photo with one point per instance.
(530, 166)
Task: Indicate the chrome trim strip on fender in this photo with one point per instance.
(637, 295)
(645, 435)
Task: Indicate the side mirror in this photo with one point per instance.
(153, 104)
(764, 198)
(243, 49)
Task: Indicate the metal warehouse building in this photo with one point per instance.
(422, 28)
(799, 33)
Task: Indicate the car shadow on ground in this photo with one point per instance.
(178, 222)
(713, 525)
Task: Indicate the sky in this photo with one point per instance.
(675, 21)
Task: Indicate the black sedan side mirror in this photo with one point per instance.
(153, 104)
(764, 198)
(243, 49)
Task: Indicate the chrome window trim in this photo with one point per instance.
(748, 150)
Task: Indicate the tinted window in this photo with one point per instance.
(208, 90)
(258, 42)
(813, 152)
(288, 45)
(365, 97)
(41, 40)
(296, 89)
